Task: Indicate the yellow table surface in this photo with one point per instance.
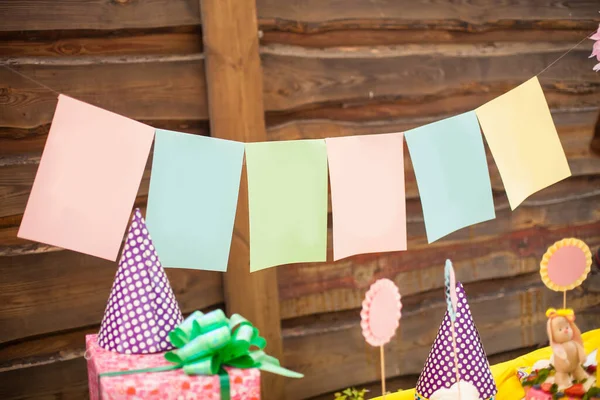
(505, 374)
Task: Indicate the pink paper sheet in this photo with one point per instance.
(87, 180)
(367, 194)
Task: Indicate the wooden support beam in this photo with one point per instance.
(236, 111)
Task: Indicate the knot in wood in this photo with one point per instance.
(5, 95)
(363, 275)
(69, 48)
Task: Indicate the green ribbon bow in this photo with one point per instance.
(207, 342)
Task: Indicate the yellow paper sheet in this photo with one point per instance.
(523, 140)
(505, 374)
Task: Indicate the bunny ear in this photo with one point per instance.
(557, 349)
(451, 297)
(551, 312)
(576, 333)
(549, 332)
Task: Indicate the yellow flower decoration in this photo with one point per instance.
(566, 264)
(561, 312)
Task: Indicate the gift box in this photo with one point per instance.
(164, 385)
(211, 356)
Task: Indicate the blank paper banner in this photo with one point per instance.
(367, 194)
(287, 194)
(87, 180)
(193, 198)
(452, 174)
(523, 140)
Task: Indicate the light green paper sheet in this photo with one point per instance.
(193, 198)
(287, 194)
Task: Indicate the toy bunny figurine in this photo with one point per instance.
(567, 347)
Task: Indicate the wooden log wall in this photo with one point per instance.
(330, 68)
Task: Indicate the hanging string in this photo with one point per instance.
(30, 79)
(567, 52)
(5, 65)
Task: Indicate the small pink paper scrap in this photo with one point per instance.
(87, 180)
(381, 312)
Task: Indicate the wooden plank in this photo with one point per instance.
(187, 40)
(384, 36)
(50, 349)
(181, 40)
(316, 15)
(97, 14)
(332, 353)
(400, 81)
(303, 16)
(66, 382)
(235, 94)
(425, 108)
(18, 172)
(49, 292)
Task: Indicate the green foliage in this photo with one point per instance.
(351, 394)
(592, 393)
(537, 377)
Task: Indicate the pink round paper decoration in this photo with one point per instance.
(566, 264)
(381, 312)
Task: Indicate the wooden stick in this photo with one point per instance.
(235, 96)
(564, 299)
(455, 351)
(382, 359)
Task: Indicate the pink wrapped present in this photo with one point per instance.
(166, 385)
(142, 319)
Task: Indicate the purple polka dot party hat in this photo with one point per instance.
(439, 372)
(142, 308)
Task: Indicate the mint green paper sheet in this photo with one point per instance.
(452, 174)
(193, 197)
(287, 194)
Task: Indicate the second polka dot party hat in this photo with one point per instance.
(439, 372)
(141, 309)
